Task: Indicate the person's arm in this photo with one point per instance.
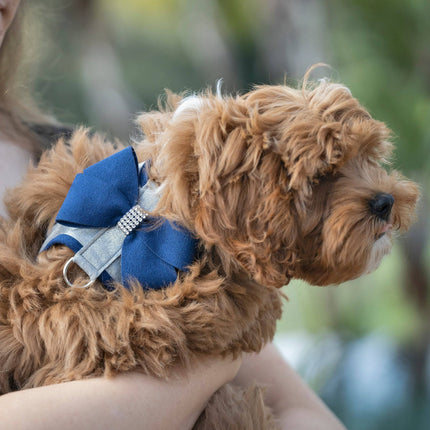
(130, 401)
(294, 404)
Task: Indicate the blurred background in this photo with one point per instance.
(364, 346)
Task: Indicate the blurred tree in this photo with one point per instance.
(386, 61)
(108, 103)
(388, 44)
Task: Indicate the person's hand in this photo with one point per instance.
(294, 404)
(131, 401)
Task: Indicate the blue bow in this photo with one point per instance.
(99, 197)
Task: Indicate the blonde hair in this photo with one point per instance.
(17, 105)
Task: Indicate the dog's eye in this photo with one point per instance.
(329, 178)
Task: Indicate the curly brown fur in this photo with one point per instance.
(249, 411)
(275, 184)
(53, 334)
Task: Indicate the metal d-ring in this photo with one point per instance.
(66, 266)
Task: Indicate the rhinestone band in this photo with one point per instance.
(132, 219)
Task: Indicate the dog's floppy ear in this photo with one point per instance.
(242, 205)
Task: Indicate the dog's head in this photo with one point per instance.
(283, 183)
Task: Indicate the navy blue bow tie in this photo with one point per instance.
(106, 200)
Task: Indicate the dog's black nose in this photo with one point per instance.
(381, 205)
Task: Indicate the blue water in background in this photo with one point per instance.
(367, 382)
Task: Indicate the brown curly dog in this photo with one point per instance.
(276, 184)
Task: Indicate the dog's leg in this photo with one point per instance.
(233, 407)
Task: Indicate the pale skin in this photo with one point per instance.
(294, 404)
(137, 401)
(131, 401)
(14, 162)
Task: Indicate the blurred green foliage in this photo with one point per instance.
(373, 302)
(381, 49)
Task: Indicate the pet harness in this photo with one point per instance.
(104, 219)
